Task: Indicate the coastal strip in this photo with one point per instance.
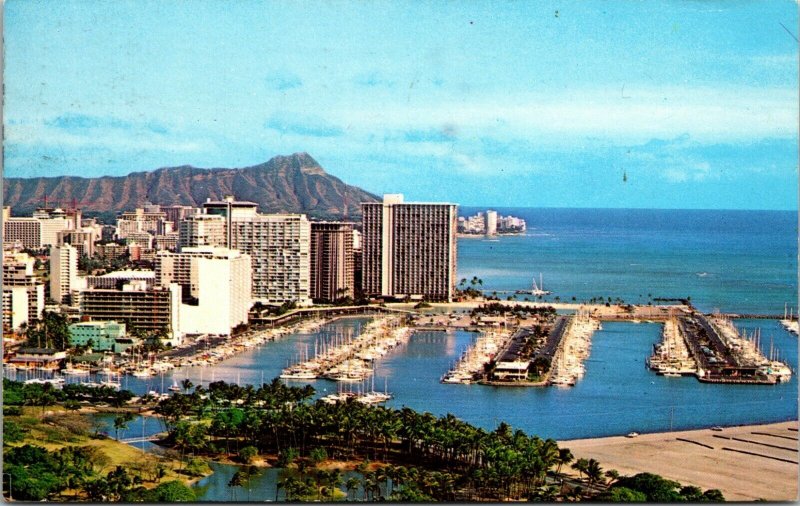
(740, 469)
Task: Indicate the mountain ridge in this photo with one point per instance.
(294, 183)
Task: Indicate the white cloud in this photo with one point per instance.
(690, 173)
(705, 114)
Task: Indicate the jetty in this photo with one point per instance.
(713, 349)
(348, 358)
(573, 350)
(470, 366)
(672, 356)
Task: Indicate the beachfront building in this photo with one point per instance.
(216, 286)
(153, 310)
(332, 263)
(101, 336)
(23, 292)
(409, 249)
(63, 272)
(202, 230)
(491, 222)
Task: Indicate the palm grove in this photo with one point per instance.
(421, 457)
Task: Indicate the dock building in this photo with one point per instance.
(102, 336)
(409, 249)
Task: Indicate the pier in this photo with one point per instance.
(720, 354)
(348, 359)
(574, 347)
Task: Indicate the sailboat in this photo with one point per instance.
(175, 387)
(537, 290)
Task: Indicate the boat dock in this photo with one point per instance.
(471, 365)
(348, 358)
(574, 348)
(721, 354)
(672, 357)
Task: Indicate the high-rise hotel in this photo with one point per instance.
(332, 261)
(409, 249)
(278, 244)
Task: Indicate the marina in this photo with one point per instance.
(348, 358)
(568, 362)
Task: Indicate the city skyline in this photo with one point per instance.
(675, 105)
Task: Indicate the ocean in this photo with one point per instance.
(734, 261)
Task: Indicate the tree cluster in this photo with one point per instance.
(441, 458)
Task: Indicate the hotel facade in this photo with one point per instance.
(409, 249)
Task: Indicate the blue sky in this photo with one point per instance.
(509, 103)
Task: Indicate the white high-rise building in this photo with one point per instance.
(37, 232)
(23, 292)
(409, 249)
(491, 223)
(202, 230)
(280, 247)
(63, 271)
(216, 285)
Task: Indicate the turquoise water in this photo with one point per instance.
(617, 394)
(737, 261)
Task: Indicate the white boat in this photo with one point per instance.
(632, 434)
(175, 387)
(142, 373)
(111, 384)
(536, 290)
(75, 371)
(56, 382)
(298, 375)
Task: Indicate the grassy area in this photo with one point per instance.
(55, 428)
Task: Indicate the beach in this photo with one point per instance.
(708, 458)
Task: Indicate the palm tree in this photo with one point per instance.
(187, 384)
(581, 465)
(593, 472)
(613, 476)
(352, 485)
(121, 422)
(564, 457)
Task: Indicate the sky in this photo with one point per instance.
(630, 104)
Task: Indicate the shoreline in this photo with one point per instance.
(745, 462)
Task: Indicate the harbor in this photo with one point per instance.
(348, 358)
(715, 351)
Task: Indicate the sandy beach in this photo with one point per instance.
(708, 459)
